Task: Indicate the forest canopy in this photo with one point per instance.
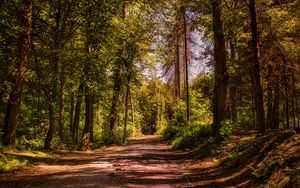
(84, 74)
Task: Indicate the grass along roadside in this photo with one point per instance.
(12, 160)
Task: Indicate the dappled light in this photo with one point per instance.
(149, 93)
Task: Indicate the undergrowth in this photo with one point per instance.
(11, 162)
(188, 136)
(11, 159)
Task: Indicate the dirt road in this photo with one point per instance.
(146, 162)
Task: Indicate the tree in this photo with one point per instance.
(179, 40)
(96, 29)
(126, 112)
(183, 11)
(256, 79)
(14, 101)
(221, 75)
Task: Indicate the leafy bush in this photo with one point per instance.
(193, 136)
(199, 131)
(161, 125)
(10, 163)
(25, 143)
(170, 132)
(244, 121)
(227, 128)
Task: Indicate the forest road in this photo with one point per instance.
(145, 162)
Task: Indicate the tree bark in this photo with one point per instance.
(269, 120)
(72, 102)
(258, 91)
(295, 100)
(62, 104)
(131, 106)
(177, 63)
(51, 130)
(117, 89)
(77, 114)
(115, 102)
(14, 101)
(51, 104)
(54, 91)
(220, 105)
(126, 113)
(286, 90)
(275, 111)
(85, 140)
(177, 72)
(187, 97)
(233, 88)
(92, 118)
(86, 134)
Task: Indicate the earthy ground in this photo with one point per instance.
(146, 162)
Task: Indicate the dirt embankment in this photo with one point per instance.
(271, 160)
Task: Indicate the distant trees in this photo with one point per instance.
(176, 67)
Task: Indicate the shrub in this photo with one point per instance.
(25, 143)
(244, 121)
(170, 132)
(193, 136)
(10, 163)
(227, 128)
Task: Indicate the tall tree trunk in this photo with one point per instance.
(233, 89)
(177, 67)
(51, 129)
(126, 113)
(1, 96)
(258, 91)
(72, 102)
(295, 99)
(51, 104)
(276, 104)
(115, 102)
(77, 114)
(53, 93)
(14, 101)
(85, 140)
(131, 106)
(187, 100)
(286, 90)
(61, 104)
(269, 120)
(86, 134)
(117, 89)
(177, 75)
(220, 106)
(92, 118)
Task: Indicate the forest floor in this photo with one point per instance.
(145, 162)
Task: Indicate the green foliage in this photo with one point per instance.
(193, 136)
(198, 132)
(161, 125)
(244, 120)
(227, 128)
(11, 163)
(285, 182)
(24, 143)
(169, 133)
(151, 110)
